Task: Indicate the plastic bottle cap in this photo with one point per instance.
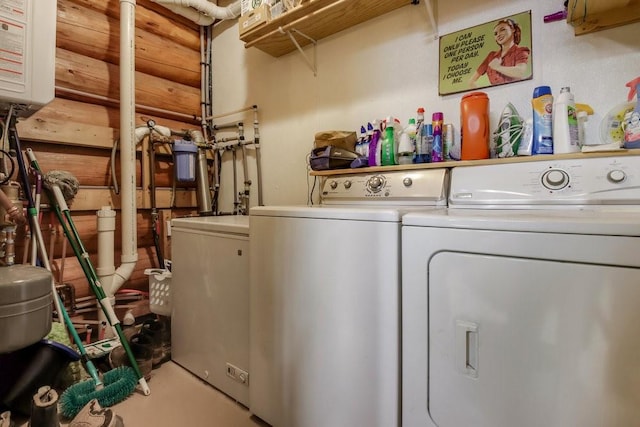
(412, 121)
(437, 116)
(541, 90)
(421, 110)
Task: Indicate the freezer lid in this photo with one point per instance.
(236, 224)
(596, 221)
(356, 213)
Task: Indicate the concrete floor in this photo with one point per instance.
(179, 398)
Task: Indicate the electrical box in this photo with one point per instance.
(27, 54)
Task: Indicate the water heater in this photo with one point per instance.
(27, 54)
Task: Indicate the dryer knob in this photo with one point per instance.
(616, 176)
(347, 184)
(407, 182)
(333, 185)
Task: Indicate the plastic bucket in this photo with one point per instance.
(26, 370)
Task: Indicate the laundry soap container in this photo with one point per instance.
(474, 126)
(25, 306)
(185, 160)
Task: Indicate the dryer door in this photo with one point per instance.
(524, 342)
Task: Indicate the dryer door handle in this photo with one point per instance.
(466, 351)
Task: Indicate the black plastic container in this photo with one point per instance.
(23, 371)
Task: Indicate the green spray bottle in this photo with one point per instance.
(388, 157)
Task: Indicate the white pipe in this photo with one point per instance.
(106, 265)
(202, 12)
(127, 147)
(111, 278)
(142, 131)
(106, 232)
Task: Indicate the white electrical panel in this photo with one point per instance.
(27, 54)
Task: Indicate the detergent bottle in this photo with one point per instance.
(407, 145)
(542, 104)
(374, 145)
(631, 123)
(565, 123)
(474, 126)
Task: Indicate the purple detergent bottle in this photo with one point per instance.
(374, 145)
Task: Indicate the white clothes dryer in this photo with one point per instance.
(325, 301)
(525, 317)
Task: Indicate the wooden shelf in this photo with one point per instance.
(316, 19)
(588, 16)
(521, 159)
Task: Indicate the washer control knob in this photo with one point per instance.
(407, 182)
(616, 176)
(375, 183)
(347, 184)
(333, 185)
(555, 179)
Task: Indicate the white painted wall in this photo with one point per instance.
(389, 66)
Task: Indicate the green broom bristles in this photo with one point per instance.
(119, 383)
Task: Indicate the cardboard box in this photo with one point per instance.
(248, 6)
(254, 19)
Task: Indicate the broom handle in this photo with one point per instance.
(31, 209)
(60, 207)
(96, 286)
(87, 363)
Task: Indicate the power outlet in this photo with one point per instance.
(237, 374)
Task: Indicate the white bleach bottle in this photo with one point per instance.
(565, 123)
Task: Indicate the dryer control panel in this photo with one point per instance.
(588, 181)
(420, 187)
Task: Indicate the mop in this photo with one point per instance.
(118, 383)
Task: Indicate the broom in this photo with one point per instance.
(114, 386)
(118, 384)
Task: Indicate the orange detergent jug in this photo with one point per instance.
(474, 126)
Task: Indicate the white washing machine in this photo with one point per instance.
(325, 301)
(525, 313)
(210, 300)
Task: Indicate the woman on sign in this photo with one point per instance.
(509, 64)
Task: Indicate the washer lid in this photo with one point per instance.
(354, 213)
(601, 221)
(237, 224)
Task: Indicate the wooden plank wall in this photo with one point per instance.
(76, 132)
